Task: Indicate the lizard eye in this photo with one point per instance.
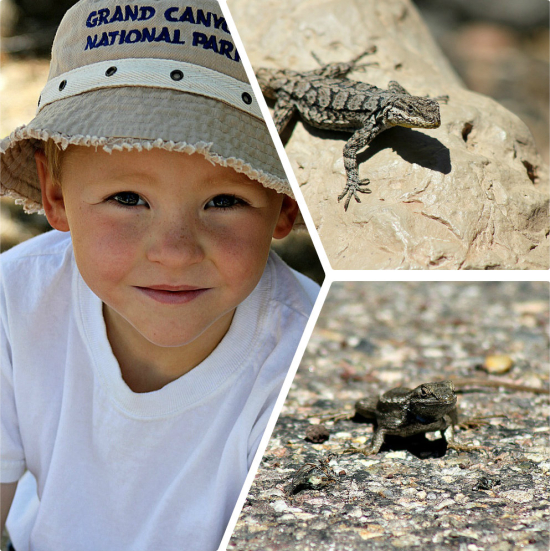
(424, 392)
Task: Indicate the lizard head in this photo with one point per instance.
(413, 112)
(433, 399)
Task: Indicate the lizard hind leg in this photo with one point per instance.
(440, 99)
(340, 70)
(282, 114)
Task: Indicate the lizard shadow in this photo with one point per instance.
(411, 145)
(417, 445)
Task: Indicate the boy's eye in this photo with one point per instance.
(128, 199)
(224, 202)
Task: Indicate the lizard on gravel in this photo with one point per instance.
(407, 412)
(326, 99)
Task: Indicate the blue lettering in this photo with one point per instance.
(168, 15)
(218, 21)
(91, 43)
(188, 16)
(133, 36)
(226, 48)
(164, 36)
(92, 19)
(129, 14)
(202, 19)
(148, 34)
(133, 13)
(103, 14)
(104, 40)
(211, 44)
(198, 17)
(208, 43)
(113, 35)
(146, 13)
(176, 39)
(198, 39)
(118, 15)
(153, 35)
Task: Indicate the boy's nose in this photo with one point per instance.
(175, 244)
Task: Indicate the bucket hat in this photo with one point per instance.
(142, 74)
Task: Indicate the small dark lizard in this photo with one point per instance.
(326, 99)
(406, 412)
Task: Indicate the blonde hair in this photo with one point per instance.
(54, 157)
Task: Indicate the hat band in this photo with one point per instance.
(152, 73)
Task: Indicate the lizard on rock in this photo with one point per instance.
(325, 99)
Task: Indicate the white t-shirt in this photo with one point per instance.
(115, 469)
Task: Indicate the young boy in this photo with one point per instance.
(142, 353)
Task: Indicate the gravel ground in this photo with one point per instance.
(371, 337)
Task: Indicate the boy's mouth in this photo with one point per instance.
(168, 294)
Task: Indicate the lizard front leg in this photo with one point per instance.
(452, 443)
(282, 114)
(359, 140)
(394, 86)
(374, 448)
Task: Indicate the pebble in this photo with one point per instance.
(518, 496)
(371, 531)
(279, 506)
(346, 436)
(498, 364)
(318, 524)
(272, 492)
(398, 455)
(443, 504)
(369, 462)
(317, 433)
(353, 341)
(302, 515)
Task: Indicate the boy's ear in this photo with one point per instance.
(52, 195)
(287, 216)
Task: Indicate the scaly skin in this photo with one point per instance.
(404, 412)
(324, 98)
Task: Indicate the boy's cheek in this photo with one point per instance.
(103, 252)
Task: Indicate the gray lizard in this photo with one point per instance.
(326, 99)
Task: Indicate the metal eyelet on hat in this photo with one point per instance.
(176, 75)
(62, 85)
(247, 98)
(110, 71)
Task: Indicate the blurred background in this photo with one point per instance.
(499, 48)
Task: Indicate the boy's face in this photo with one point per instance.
(171, 243)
